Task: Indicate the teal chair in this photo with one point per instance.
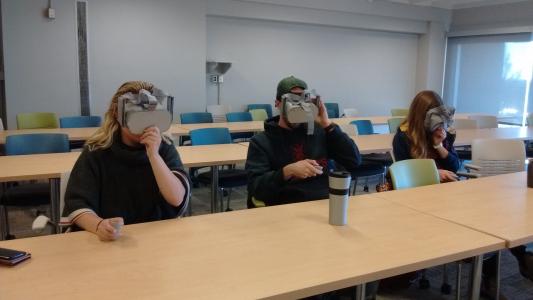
(80, 121)
(196, 117)
(242, 116)
(364, 127)
(37, 120)
(399, 112)
(266, 107)
(29, 194)
(333, 109)
(227, 179)
(394, 123)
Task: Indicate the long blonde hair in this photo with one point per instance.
(416, 131)
(103, 137)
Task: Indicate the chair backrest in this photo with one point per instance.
(210, 136)
(333, 109)
(196, 117)
(243, 116)
(464, 124)
(218, 112)
(498, 156)
(364, 127)
(485, 121)
(350, 112)
(80, 121)
(399, 112)
(37, 120)
(259, 114)
(266, 107)
(21, 144)
(394, 123)
(413, 172)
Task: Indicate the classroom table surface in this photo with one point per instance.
(36, 166)
(501, 205)
(383, 142)
(52, 165)
(213, 155)
(281, 252)
(74, 134)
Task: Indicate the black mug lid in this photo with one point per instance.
(339, 174)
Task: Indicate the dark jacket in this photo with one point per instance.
(119, 182)
(402, 150)
(277, 147)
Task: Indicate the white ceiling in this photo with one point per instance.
(455, 4)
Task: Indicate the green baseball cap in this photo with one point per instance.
(287, 84)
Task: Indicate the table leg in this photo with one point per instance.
(476, 277)
(499, 256)
(360, 292)
(458, 281)
(54, 202)
(214, 188)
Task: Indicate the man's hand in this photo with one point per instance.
(322, 117)
(302, 169)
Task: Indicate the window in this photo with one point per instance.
(491, 74)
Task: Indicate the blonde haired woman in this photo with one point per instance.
(124, 178)
(413, 140)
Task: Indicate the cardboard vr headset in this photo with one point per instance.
(439, 117)
(140, 111)
(301, 109)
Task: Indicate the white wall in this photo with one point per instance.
(162, 41)
(165, 41)
(40, 59)
(513, 17)
(372, 71)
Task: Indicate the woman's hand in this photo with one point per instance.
(109, 229)
(151, 139)
(447, 176)
(438, 136)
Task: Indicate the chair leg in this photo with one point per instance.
(229, 199)
(423, 283)
(221, 193)
(354, 186)
(445, 288)
(4, 226)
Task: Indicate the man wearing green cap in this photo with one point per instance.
(288, 164)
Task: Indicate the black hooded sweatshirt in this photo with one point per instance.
(277, 147)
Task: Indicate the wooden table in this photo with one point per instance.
(213, 156)
(383, 142)
(39, 166)
(251, 126)
(74, 134)
(380, 120)
(501, 205)
(281, 252)
(51, 166)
